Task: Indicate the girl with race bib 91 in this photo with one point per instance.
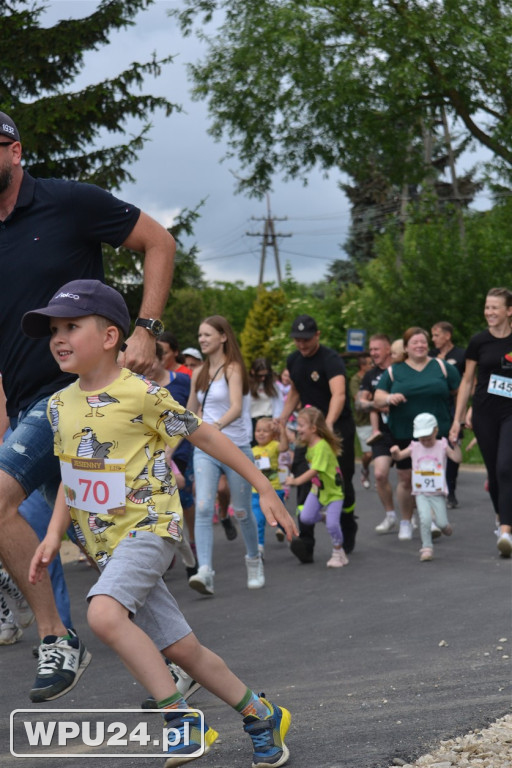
(429, 487)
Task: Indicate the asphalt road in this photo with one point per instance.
(376, 661)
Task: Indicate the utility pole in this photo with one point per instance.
(269, 241)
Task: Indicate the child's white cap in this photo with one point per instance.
(424, 424)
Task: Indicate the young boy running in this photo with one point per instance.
(110, 431)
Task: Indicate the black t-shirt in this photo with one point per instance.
(371, 379)
(456, 356)
(369, 383)
(311, 376)
(53, 235)
(494, 358)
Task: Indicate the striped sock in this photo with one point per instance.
(176, 701)
(251, 704)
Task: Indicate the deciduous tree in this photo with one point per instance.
(352, 84)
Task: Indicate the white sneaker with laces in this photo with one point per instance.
(202, 581)
(388, 525)
(61, 663)
(255, 572)
(405, 531)
(10, 633)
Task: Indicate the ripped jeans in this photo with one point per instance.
(207, 471)
(27, 453)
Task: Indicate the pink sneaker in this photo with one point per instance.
(338, 559)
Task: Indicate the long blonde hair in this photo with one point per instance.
(316, 419)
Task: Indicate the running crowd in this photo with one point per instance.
(135, 448)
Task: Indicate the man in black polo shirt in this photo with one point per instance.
(51, 232)
(319, 378)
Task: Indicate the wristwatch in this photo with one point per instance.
(155, 327)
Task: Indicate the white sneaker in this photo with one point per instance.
(202, 581)
(24, 615)
(505, 544)
(10, 633)
(388, 525)
(255, 572)
(435, 530)
(405, 532)
(338, 559)
(185, 684)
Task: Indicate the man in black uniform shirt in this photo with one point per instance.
(319, 378)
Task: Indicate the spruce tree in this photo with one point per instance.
(62, 129)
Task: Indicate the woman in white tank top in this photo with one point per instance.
(220, 395)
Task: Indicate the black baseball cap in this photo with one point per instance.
(303, 327)
(8, 127)
(78, 299)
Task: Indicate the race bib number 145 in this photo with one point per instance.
(500, 385)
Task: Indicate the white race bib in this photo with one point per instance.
(427, 481)
(500, 385)
(94, 485)
(262, 462)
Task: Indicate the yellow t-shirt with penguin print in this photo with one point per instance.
(266, 459)
(111, 446)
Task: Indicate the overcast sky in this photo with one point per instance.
(181, 165)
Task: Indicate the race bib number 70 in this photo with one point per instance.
(94, 485)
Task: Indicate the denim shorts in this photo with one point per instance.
(27, 453)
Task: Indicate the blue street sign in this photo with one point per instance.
(356, 340)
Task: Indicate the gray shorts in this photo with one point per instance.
(134, 577)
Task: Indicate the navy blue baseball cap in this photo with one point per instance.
(78, 299)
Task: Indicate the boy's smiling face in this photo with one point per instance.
(77, 343)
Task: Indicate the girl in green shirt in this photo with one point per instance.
(325, 477)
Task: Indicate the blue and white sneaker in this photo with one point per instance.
(268, 735)
(62, 661)
(189, 725)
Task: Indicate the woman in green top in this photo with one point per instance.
(420, 384)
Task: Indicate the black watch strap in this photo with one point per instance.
(155, 327)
